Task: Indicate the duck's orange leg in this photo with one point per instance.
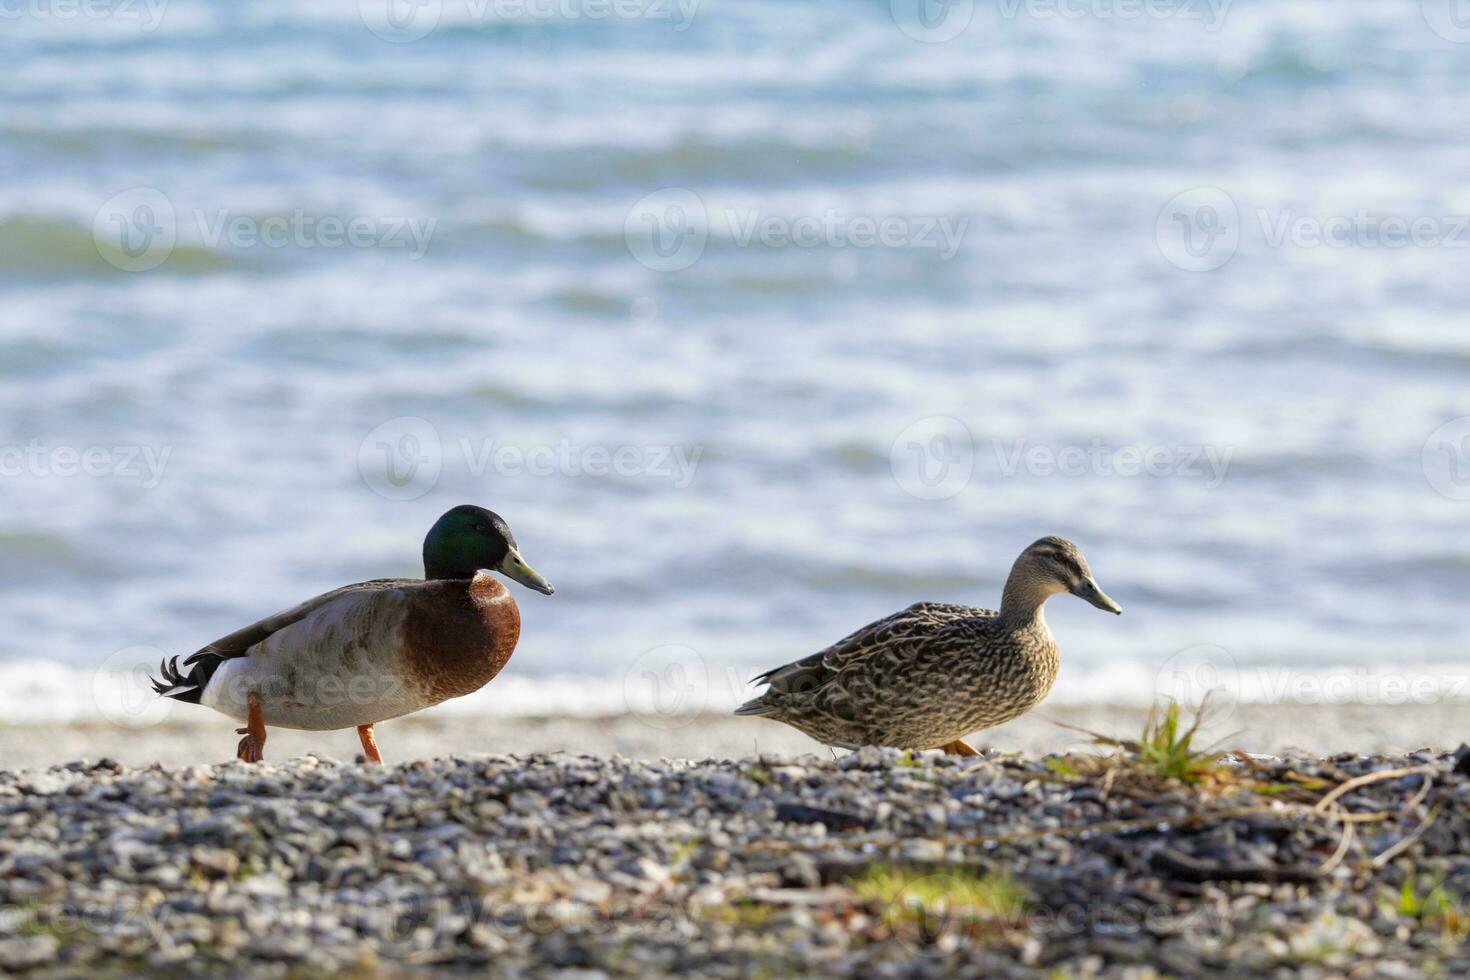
(369, 743)
(959, 747)
(252, 746)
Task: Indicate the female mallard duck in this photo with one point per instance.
(926, 677)
(372, 651)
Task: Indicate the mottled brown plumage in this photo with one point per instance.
(929, 675)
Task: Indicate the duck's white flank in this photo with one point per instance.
(339, 666)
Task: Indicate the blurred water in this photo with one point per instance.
(520, 186)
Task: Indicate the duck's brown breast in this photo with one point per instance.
(458, 634)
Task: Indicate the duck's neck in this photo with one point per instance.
(448, 567)
(1024, 596)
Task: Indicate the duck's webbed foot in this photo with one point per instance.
(959, 747)
(252, 746)
(369, 743)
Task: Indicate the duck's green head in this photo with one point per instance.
(469, 538)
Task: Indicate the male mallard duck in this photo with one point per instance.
(926, 677)
(372, 651)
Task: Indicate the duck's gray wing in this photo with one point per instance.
(186, 684)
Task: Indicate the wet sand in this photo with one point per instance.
(194, 736)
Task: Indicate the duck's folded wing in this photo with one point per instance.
(238, 643)
(188, 683)
(919, 621)
(906, 667)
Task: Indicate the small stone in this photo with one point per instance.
(867, 757)
(42, 783)
(28, 952)
(214, 863)
(922, 851)
(591, 891)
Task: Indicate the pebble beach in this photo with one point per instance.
(873, 863)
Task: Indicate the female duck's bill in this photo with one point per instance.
(1051, 565)
(1088, 590)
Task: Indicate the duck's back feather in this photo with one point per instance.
(336, 664)
(357, 655)
(200, 667)
(922, 620)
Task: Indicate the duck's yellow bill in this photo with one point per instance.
(514, 567)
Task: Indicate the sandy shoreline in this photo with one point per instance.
(202, 737)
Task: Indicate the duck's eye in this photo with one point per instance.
(482, 528)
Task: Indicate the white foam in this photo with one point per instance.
(42, 692)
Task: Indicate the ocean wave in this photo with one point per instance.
(1059, 322)
(117, 691)
(42, 557)
(37, 136)
(47, 246)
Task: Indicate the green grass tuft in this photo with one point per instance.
(741, 913)
(759, 775)
(1166, 748)
(1427, 900)
(930, 905)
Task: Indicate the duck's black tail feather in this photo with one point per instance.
(756, 706)
(182, 686)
